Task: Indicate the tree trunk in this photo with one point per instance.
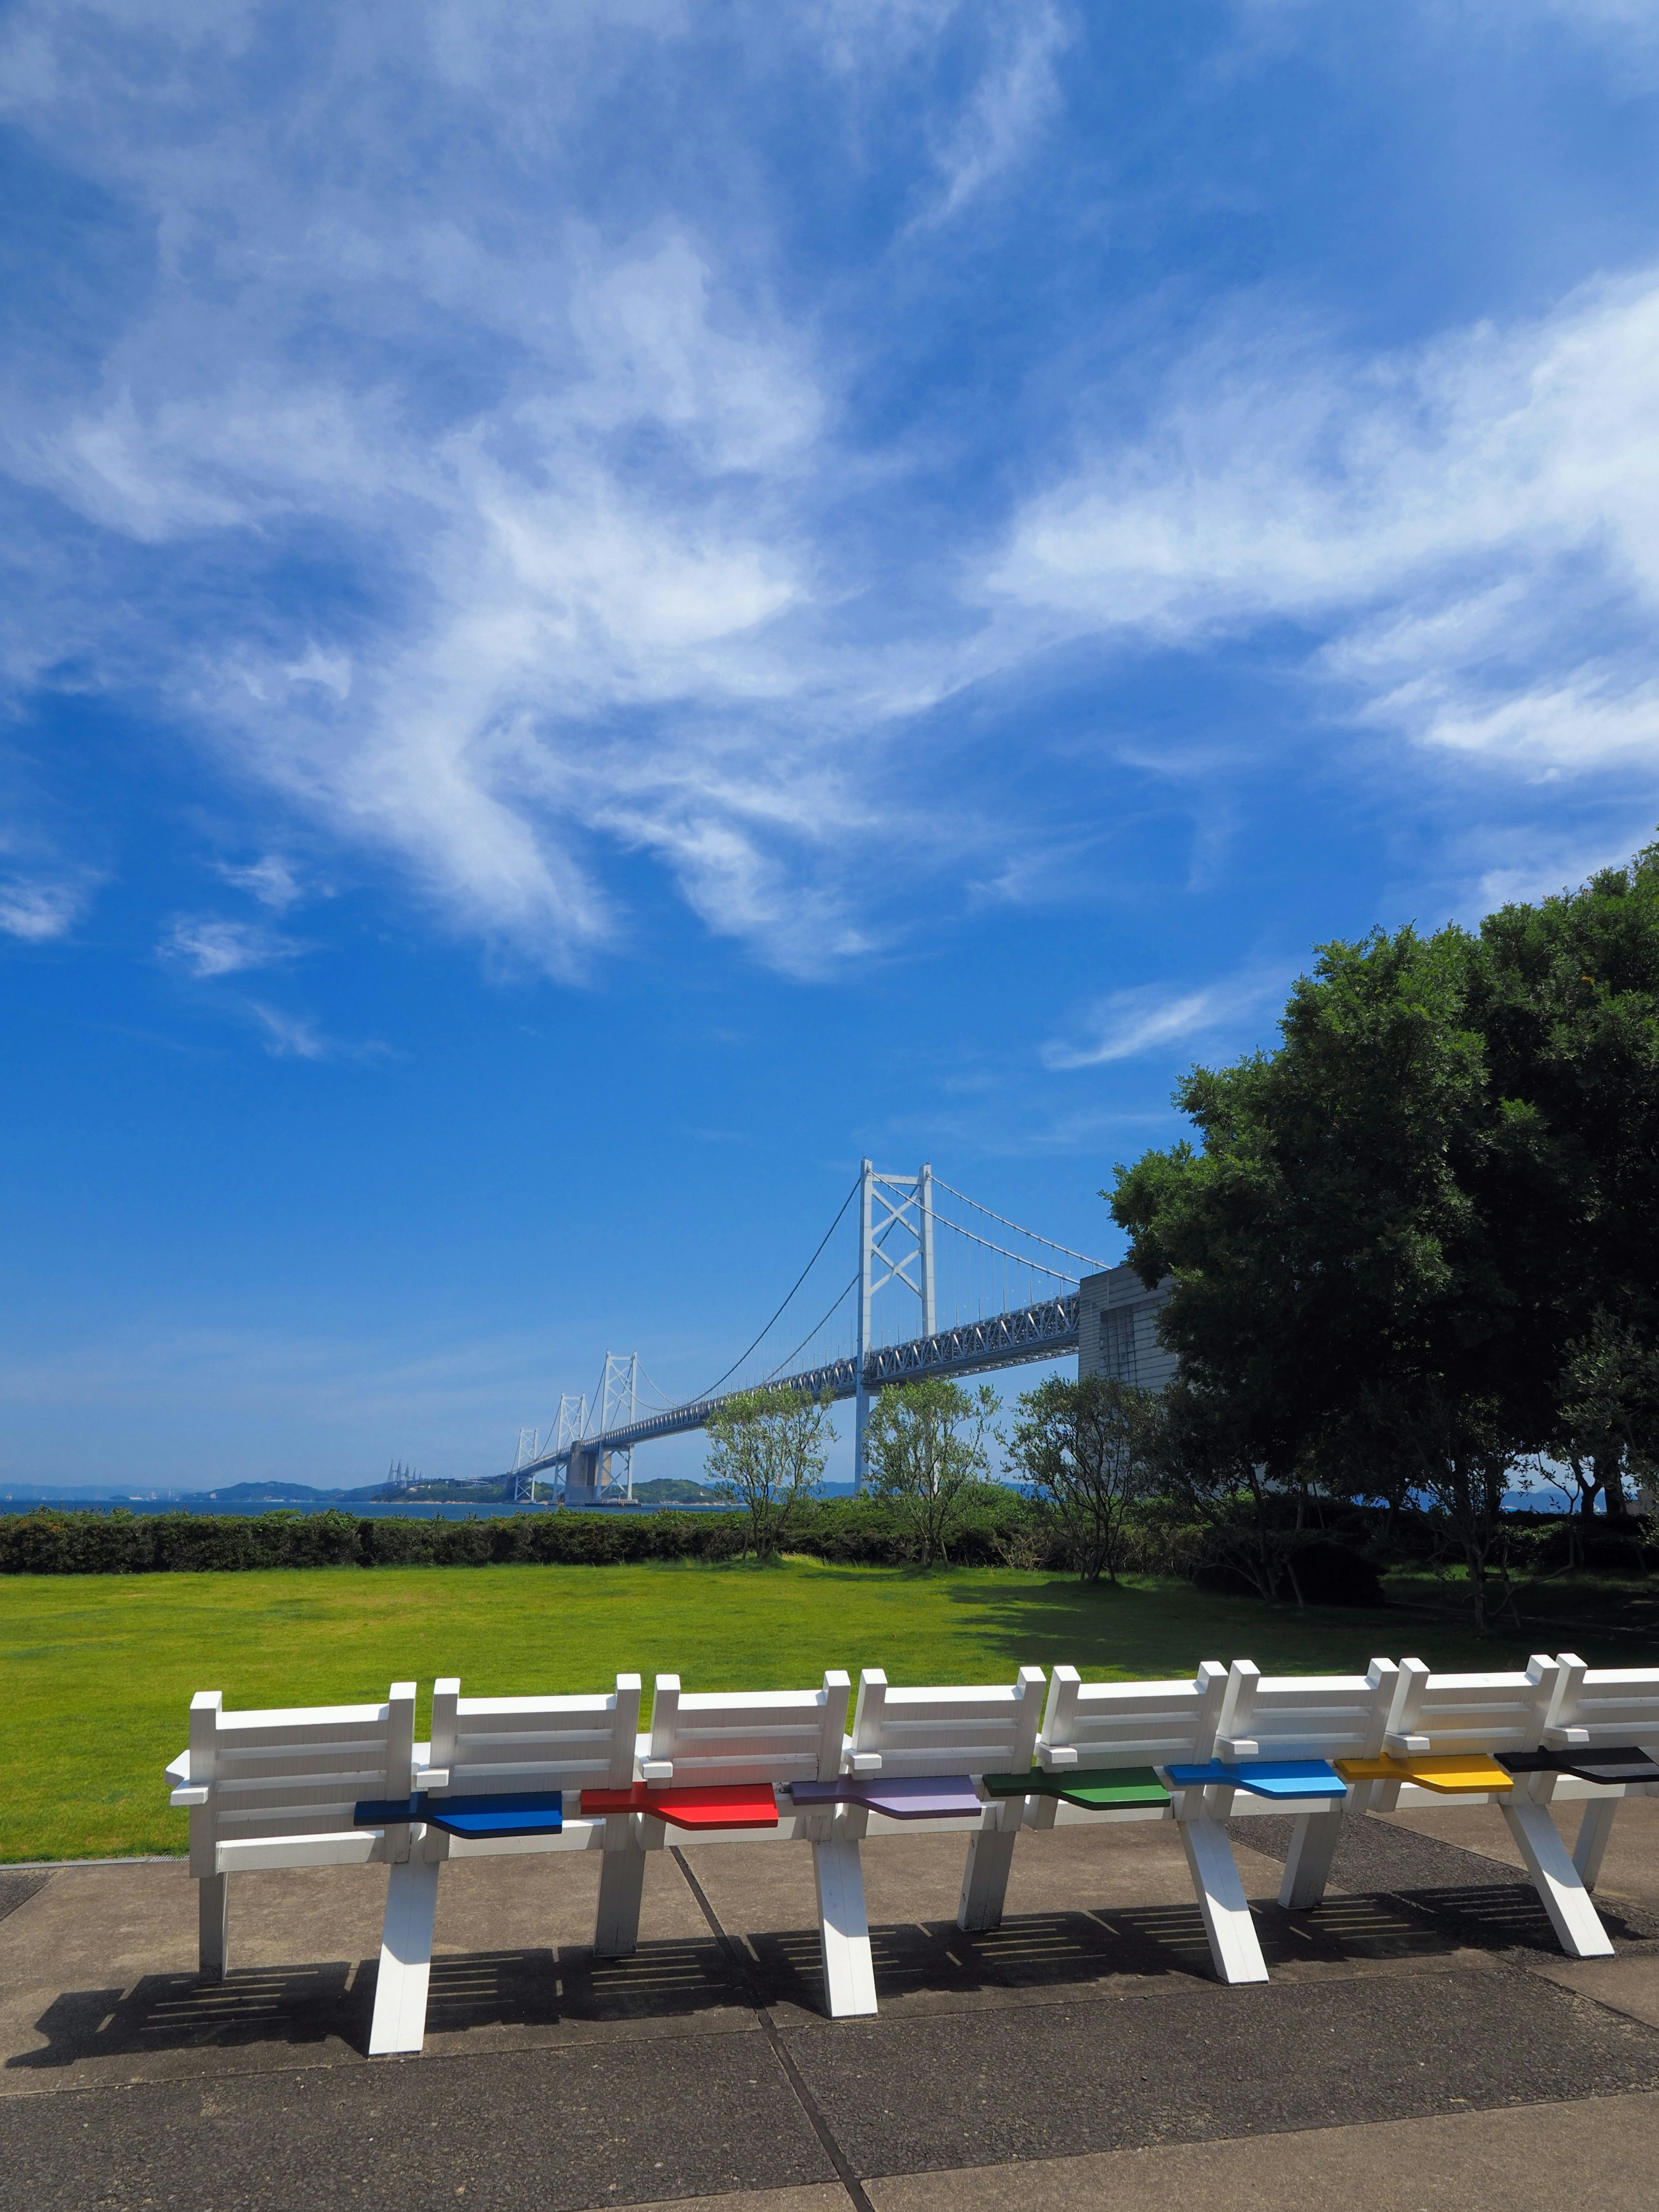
(1611, 1481)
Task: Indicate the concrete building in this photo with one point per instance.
(1117, 1329)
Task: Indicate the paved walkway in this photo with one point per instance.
(1422, 2044)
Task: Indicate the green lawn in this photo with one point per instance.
(99, 1670)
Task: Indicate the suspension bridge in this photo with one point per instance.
(1009, 1301)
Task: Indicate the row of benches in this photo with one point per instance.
(344, 1785)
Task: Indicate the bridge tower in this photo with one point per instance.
(895, 1234)
(592, 1472)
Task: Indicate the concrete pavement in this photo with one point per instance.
(1423, 2043)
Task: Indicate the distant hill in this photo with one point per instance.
(273, 1493)
(674, 1490)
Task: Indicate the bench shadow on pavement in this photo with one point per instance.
(313, 2005)
(294, 2005)
(1076, 1950)
(541, 1988)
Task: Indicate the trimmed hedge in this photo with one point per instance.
(55, 1542)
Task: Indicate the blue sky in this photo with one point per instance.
(610, 607)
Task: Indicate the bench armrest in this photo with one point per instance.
(1566, 1739)
(656, 1769)
(865, 1762)
(1237, 1746)
(191, 1793)
(1051, 1756)
(1407, 1746)
(432, 1778)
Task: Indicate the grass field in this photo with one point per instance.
(98, 1671)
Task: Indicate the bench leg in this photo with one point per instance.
(1312, 1846)
(1593, 1831)
(849, 1975)
(1556, 1880)
(985, 1878)
(622, 1887)
(212, 1902)
(1233, 1946)
(411, 1909)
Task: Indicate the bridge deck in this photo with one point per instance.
(1045, 1331)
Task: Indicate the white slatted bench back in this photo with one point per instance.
(1305, 1716)
(492, 1745)
(1445, 1714)
(915, 1733)
(711, 1738)
(293, 1772)
(1603, 1706)
(1131, 1724)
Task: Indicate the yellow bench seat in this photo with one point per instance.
(1453, 1774)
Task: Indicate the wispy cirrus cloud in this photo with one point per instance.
(583, 469)
(1151, 1018)
(604, 547)
(271, 879)
(1466, 535)
(37, 908)
(296, 1037)
(209, 946)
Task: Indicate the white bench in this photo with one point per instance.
(502, 1749)
(1596, 1710)
(1301, 1716)
(1445, 1736)
(1141, 1728)
(279, 1788)
(931, 1739)
(767, 1740)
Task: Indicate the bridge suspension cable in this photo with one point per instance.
(793, 1287)
(991, 1326)
(1093, 1265)
(813, 1330)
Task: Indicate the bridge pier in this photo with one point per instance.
(586, 1475)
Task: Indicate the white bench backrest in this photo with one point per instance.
(978, 1730)
(1442, 1714)
(297, 1770)
(490, 1745)
(1601, 1706)
(1134, 1723)
(715, 1737)
(1305, 1716)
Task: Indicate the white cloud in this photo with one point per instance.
(289, 1037)
(1127, 1024)
(39, 908)
(270, 881)
(1010, 103)
(588, 551)
(1457, 522)
(209, 946)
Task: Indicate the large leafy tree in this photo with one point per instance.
(1566, 995)
(1324, 1237)
(1421, 1237)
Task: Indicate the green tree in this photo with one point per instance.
(1455, 1458)
(1086, 1448)
(1324, 1239)
(1607, 1424)
(925, 1448)
(766, 1453)
(1419, 1242)
(1253, 1522)
(1566, 995)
